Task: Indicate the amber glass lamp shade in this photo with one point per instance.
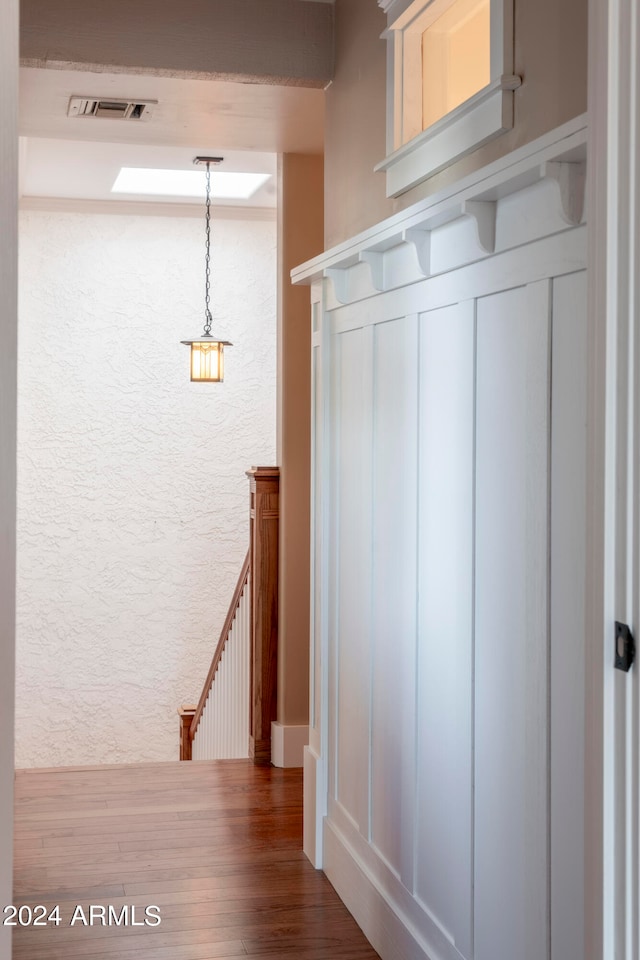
(207, 359)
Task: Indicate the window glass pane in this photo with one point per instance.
(456, 57)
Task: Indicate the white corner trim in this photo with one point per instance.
(481, 118)
(287, 744)
(613, 490)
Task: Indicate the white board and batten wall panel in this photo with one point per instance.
(567, 614)
(445, 617)
(454, 525)
(353, 539)
(511, 624)
(394, 638)
(315, 771)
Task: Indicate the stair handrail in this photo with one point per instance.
(259, 577)
(222, 642)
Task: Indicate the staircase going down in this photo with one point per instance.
(238, 702)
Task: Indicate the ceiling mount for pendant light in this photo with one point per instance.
(207, 352)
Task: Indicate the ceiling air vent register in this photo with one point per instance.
(111, 108)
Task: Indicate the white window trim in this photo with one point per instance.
(414, 154)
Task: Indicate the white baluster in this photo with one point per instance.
(223, 731)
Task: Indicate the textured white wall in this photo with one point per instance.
(132, 499)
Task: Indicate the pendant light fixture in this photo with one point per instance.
(207, 352)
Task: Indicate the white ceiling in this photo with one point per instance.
(85, 170)
(78, 158)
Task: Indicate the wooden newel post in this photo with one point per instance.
(264, 483)
(186, 715)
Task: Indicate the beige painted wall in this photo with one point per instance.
(8, 331)
(550, 55)
(300, 237)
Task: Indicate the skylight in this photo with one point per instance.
(188, 183)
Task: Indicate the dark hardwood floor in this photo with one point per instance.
(215, 846)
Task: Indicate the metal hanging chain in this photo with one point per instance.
(207, 274)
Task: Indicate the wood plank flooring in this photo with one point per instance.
(215, 846)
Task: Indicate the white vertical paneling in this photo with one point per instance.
(315, 754)
(319, 484)
(454, 459)
(568, 550)
(511, 641)
(445, 597)
(354, 545)
(395, 410)
(315, 668)
(223, 731)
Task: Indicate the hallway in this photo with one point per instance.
(215, 846)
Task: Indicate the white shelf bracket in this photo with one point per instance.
(375, 260)
(340, 281)
(483, 213)
(421, 241)
(570, 179)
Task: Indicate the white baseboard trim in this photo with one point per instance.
(313, 805)
(388, 929)
(287, 744)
